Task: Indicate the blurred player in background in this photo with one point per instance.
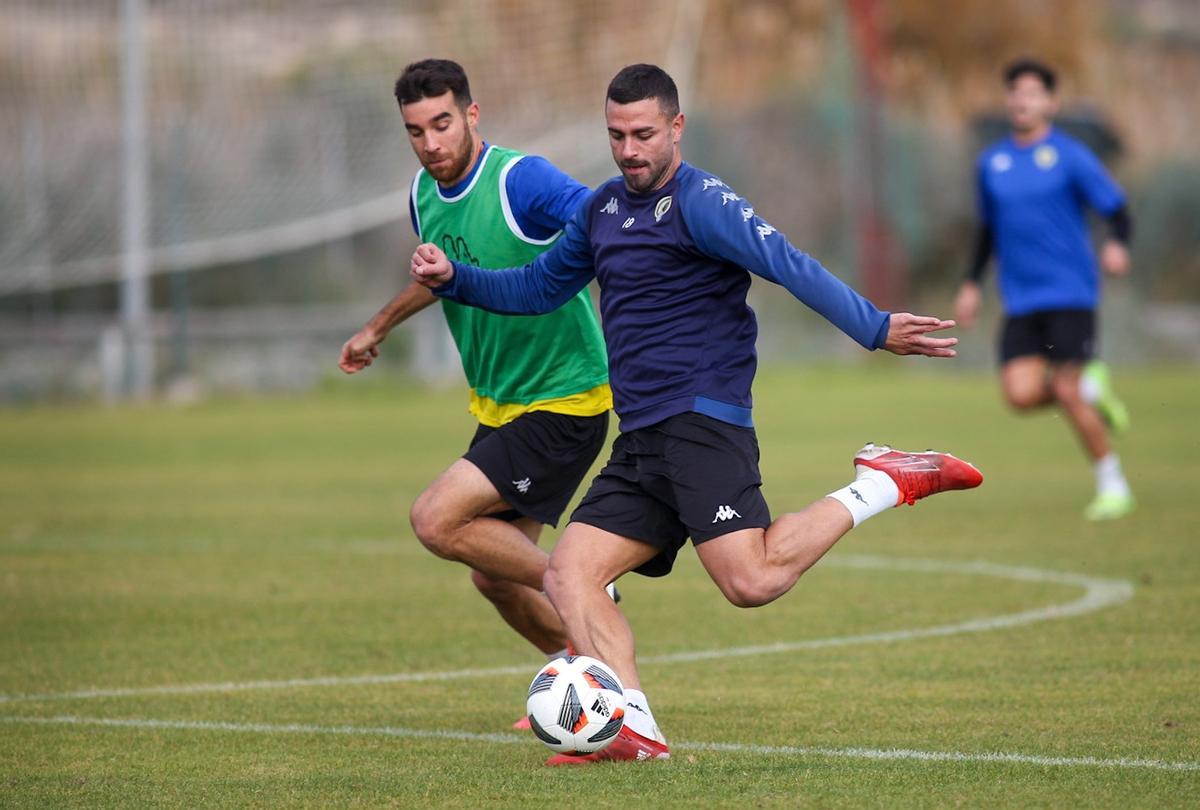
(1032, 189)
(539, 385)
(672, 248)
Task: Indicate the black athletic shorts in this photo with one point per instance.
(537, 460)
(687, 475)
(1059, 335)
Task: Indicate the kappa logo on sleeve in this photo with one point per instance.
(765, 230)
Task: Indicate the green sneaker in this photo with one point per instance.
(1109, 506)
(1112, 410)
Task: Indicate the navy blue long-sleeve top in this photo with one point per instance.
(673, 267)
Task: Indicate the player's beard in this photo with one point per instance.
(648, 181)
(459, 163)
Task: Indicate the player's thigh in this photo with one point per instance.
(735, 562)
(530, 527)
(588, 554)
(1023, 380)
(460, 493)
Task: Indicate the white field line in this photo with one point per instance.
(469, 736)
(1098, 594)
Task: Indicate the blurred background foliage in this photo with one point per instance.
(278, 168)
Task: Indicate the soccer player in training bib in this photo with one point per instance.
(672, 248)
(1032, 189)
(539, 385)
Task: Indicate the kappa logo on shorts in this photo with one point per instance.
(522, 485)
(725, 512)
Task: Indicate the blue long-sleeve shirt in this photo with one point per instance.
(1032, 200)
(673, 268)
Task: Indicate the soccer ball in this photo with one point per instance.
(576, 705)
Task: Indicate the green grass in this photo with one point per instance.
(267, 539)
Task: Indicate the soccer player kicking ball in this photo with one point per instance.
(1032, 188)
(670, 246)
(539, 386)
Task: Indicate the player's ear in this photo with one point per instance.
(473, 114)
(677, 127)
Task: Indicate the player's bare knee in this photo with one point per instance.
(498, 591)
(560, 582)
(1023, 399)
(552, 584)
(431, 526)
(748, 592)
(750, 597)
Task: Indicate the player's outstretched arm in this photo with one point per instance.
(909, 334)
(542, 286)
(361, 350)
(725, 226)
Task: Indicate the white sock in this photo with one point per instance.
(1109, 478)
(638, 716)
(873, 491)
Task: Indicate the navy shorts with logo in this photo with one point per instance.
(1059, 335)
(689, 475)
(537, 460)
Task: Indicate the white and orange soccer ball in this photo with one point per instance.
(576, 705)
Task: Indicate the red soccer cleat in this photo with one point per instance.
(919, 475)
(627, 746)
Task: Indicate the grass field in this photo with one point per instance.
(224, 605)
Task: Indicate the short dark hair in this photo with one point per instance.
(1030, 67)
(430, 78)
(637, 82)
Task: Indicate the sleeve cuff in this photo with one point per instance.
(881, 335)
(450, 288)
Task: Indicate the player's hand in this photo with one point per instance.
(1114, 257)
(909, 334)
(430, 267)
(966, 304)
(360, 351)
